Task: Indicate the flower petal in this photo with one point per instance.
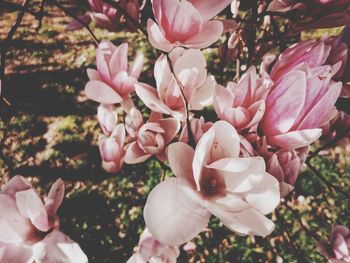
(134, 154)
(295, 139)
(55, 196)
(156, 37)
(101, 92)
(209, 9)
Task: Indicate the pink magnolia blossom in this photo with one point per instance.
(151, 250)
(133, 122)
(29, 229)
(198, 128)
(337, 249)
(113, 80)
(190, 68)
(185, 23)
(285, 165)
(212, 179)
(107, 118)
(314, 13)
(104, 14)
(112, 149)
(152, 138)
(242, 104)
(304, 76)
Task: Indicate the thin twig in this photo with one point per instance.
(189, 130)
(41, 15)
(6, 44)
(329, 185)
(69, 13)
(126, 15)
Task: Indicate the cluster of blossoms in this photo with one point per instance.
(236, 166)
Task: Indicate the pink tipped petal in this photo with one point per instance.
(137, 66)
(57, 247)
(134, 154)
(75, 24)
(173, 214)
(30, 206)
(204, 95)
(119, 59)
(150, 97)
(156, 37)
(295, 139)
(55, 196)
(210, 33)
(15, 253)
(101, 92)
(180, 157)
(123, 83)
(223, 99)
(210, 9)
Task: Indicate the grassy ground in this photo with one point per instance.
(51, 132)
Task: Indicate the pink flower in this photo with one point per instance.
(337, 249)
(314, 14)
(198, 128)
(285, 166)
(242, 104)
(29, 229)
(212, 179)
(112, 82)
(107, 118)
(112, 149)
(152, 138)
(294, 123)
(151, 250)
(190, 69)
(185, 23)
(133, 122)
(104, 15)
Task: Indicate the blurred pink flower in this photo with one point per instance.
(212, 179)
(337, 249)
(107, 118)
(152, 138)
(190, 69)
(185, 23)
(104, 14)
(112, 149)
(314, 14)
(303, 96)
(113, 80)
(242, 104)
(198, 128)
(29, 229)
(151, 250)
(133, 122)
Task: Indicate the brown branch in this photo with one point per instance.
(126, 15)
(69, 13)
(41, 15)
(189, 130)
(6, 45)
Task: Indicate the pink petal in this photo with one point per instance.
(75, 25)
(93, 74)
(210, 33)
(15, 253)
(180, 20)
(173, 213)
(101, 92)
(156, 37)
(123, 83)
(119, 59)
(137, 66)
(55, 197)
(103, 53)
(203, 95)
(295, 139)
(180, 157)
(30, 206)
(209, 9)
(149, 96)
(238, 117)
(171, 127)
(134, 154)
(281, 112)
(222, 99)
(16, 184)
(57, 247)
